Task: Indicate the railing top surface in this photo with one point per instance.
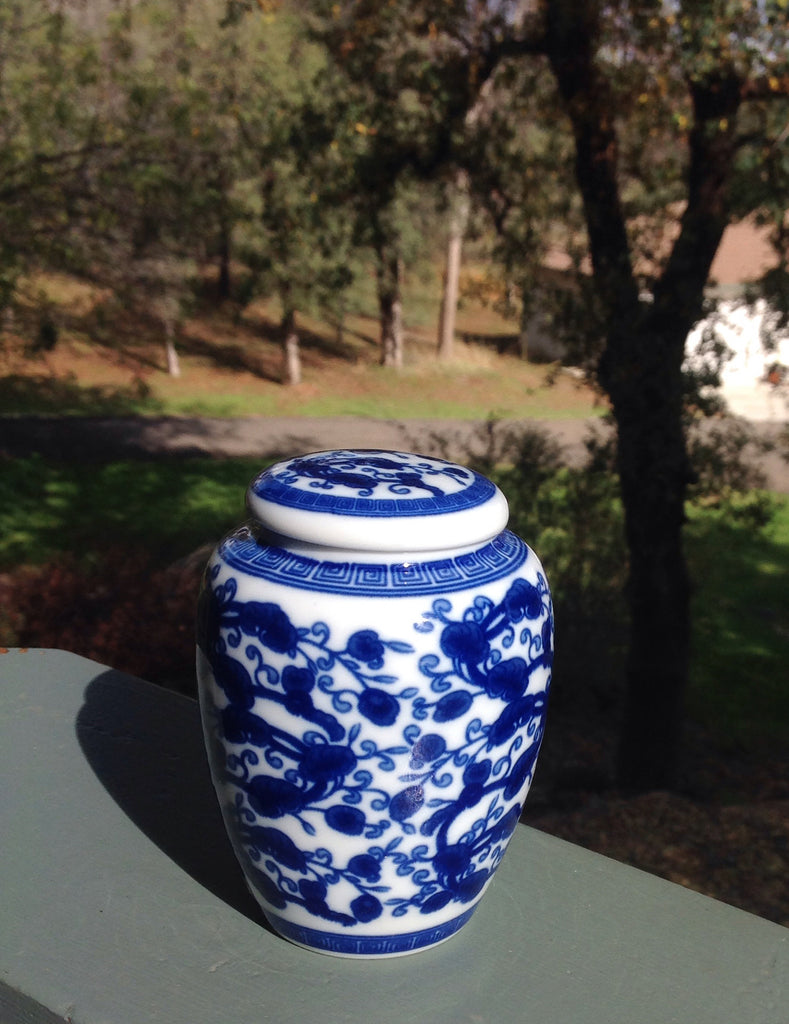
(122, 900)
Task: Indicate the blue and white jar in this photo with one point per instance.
(374, 660)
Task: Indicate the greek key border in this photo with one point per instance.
(502, 555)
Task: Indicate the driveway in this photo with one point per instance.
(100, 439)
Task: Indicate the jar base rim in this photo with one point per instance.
(367, 947)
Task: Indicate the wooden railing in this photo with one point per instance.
(121, 901)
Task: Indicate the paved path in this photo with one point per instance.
(96, 438)
(253, 436)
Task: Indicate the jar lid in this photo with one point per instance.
(372, 500)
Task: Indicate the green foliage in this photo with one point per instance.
(47, 133)
(741, 625)
(388, 114)
(167, 508)
(158, 199)
(293, 232)
(87, 526)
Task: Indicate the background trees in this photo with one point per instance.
(660, 105)
(720, 60)
(382, 86)
(293, 234)
(163, 138)
(49, 133)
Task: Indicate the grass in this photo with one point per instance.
(168, 508)
(739, 683)
(110, 360)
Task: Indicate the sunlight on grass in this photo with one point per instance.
(109, 360)
(169, 508)
(739, 681)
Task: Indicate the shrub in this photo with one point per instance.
(118, 610)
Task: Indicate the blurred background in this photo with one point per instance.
(547, 239)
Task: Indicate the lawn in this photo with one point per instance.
(739, 681)
(163, 510)
(109, 360)
(120, 549)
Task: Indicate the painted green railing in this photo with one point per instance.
(121, 901)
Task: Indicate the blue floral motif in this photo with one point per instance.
(363, 472)
(365, 645)
(374, 759)
(372, 483)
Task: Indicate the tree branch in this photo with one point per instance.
(713, 144)
(572, 30)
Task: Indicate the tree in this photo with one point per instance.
(644, 347)
(362, 122)
(662, 105)
(296, 236)
(109, 143)
(458, 215)
(391, 223)
(382, 84)
(156, 199)
(50, 134)
(139, 217)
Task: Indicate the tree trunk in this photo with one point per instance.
(224, 282)
(653, 460)
(641, 369)
(659, 642)
(654, 474)
(390, 305)
(458, 220)
(291, 355)
(171, 353)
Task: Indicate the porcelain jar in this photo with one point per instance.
(374, 660)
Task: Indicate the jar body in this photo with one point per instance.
(372, 724)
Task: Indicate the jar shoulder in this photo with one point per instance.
(273, 560)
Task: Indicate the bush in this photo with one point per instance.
(572, 518)
(120, 611)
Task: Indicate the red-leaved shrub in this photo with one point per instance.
(121, 611)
